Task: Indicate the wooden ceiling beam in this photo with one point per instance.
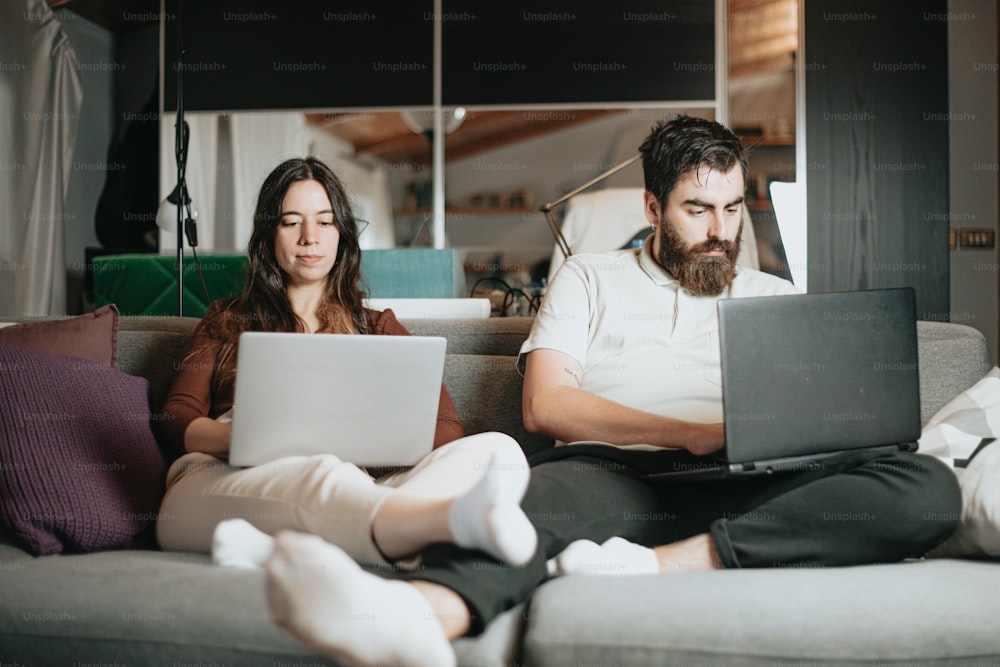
(769, 48)
(515, 126)
(763, 36)
(387, 137)
(737, 7)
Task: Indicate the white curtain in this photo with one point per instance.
(40, 99)
(260, 141)
(200, 173)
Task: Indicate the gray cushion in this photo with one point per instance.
(927, 613)
(137, 608)
(154, 608)
(952, 358)
(487, 393)
(152, 347)
(499, 644)
(494, 335)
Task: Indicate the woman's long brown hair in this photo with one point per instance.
(263, 304)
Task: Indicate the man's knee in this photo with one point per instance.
(929, 504)
(550, 489)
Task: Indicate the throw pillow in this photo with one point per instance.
(953, 435)
(92, 336)
(80, 470)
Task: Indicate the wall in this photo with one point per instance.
(972, 55)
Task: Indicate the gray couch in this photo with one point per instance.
(155, 608)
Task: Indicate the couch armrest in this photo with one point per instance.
(952, 358)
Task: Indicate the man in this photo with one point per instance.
(625, 351)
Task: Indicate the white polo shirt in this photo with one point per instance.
(642, 340)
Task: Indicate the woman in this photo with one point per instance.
(303, 276)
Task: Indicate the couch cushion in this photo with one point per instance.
(138, 608)
(498, 646)
(494, 335)
(93, 336)
(963, 434)
(952, 359)
(916, 613)
(487, 394)
(81, 470)
(155, 608)
(154, 355)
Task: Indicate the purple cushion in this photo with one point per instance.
(79, 468)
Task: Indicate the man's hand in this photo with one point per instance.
(706, 439)
(554, 404)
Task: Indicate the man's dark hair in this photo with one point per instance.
(675, 147)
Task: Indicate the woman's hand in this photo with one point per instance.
(208, 436)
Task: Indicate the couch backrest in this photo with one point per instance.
(482, 378)
(480, 371)
(153, 347)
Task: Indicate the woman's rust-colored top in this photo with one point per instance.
(194, 395)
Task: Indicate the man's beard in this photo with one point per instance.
(700, 274)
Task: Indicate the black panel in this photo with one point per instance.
(877, 144)
(550, 52)
(315, 54)
(309, 54)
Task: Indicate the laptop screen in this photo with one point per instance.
(812, 373)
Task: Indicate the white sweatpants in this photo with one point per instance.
(320, 494)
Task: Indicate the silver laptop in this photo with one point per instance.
(370, 400)
(806, 377)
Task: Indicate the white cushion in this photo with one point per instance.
(417, 308)
(953, 435)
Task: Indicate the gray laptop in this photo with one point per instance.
(808, 376)
(370, 400)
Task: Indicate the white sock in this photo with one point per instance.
(616, 556)
(321, 596)
(489, 517)
(237, 543)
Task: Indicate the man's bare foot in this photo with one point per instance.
(695, 554)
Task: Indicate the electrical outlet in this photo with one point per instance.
(976, 238)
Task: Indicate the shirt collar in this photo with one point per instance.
(656, 273)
